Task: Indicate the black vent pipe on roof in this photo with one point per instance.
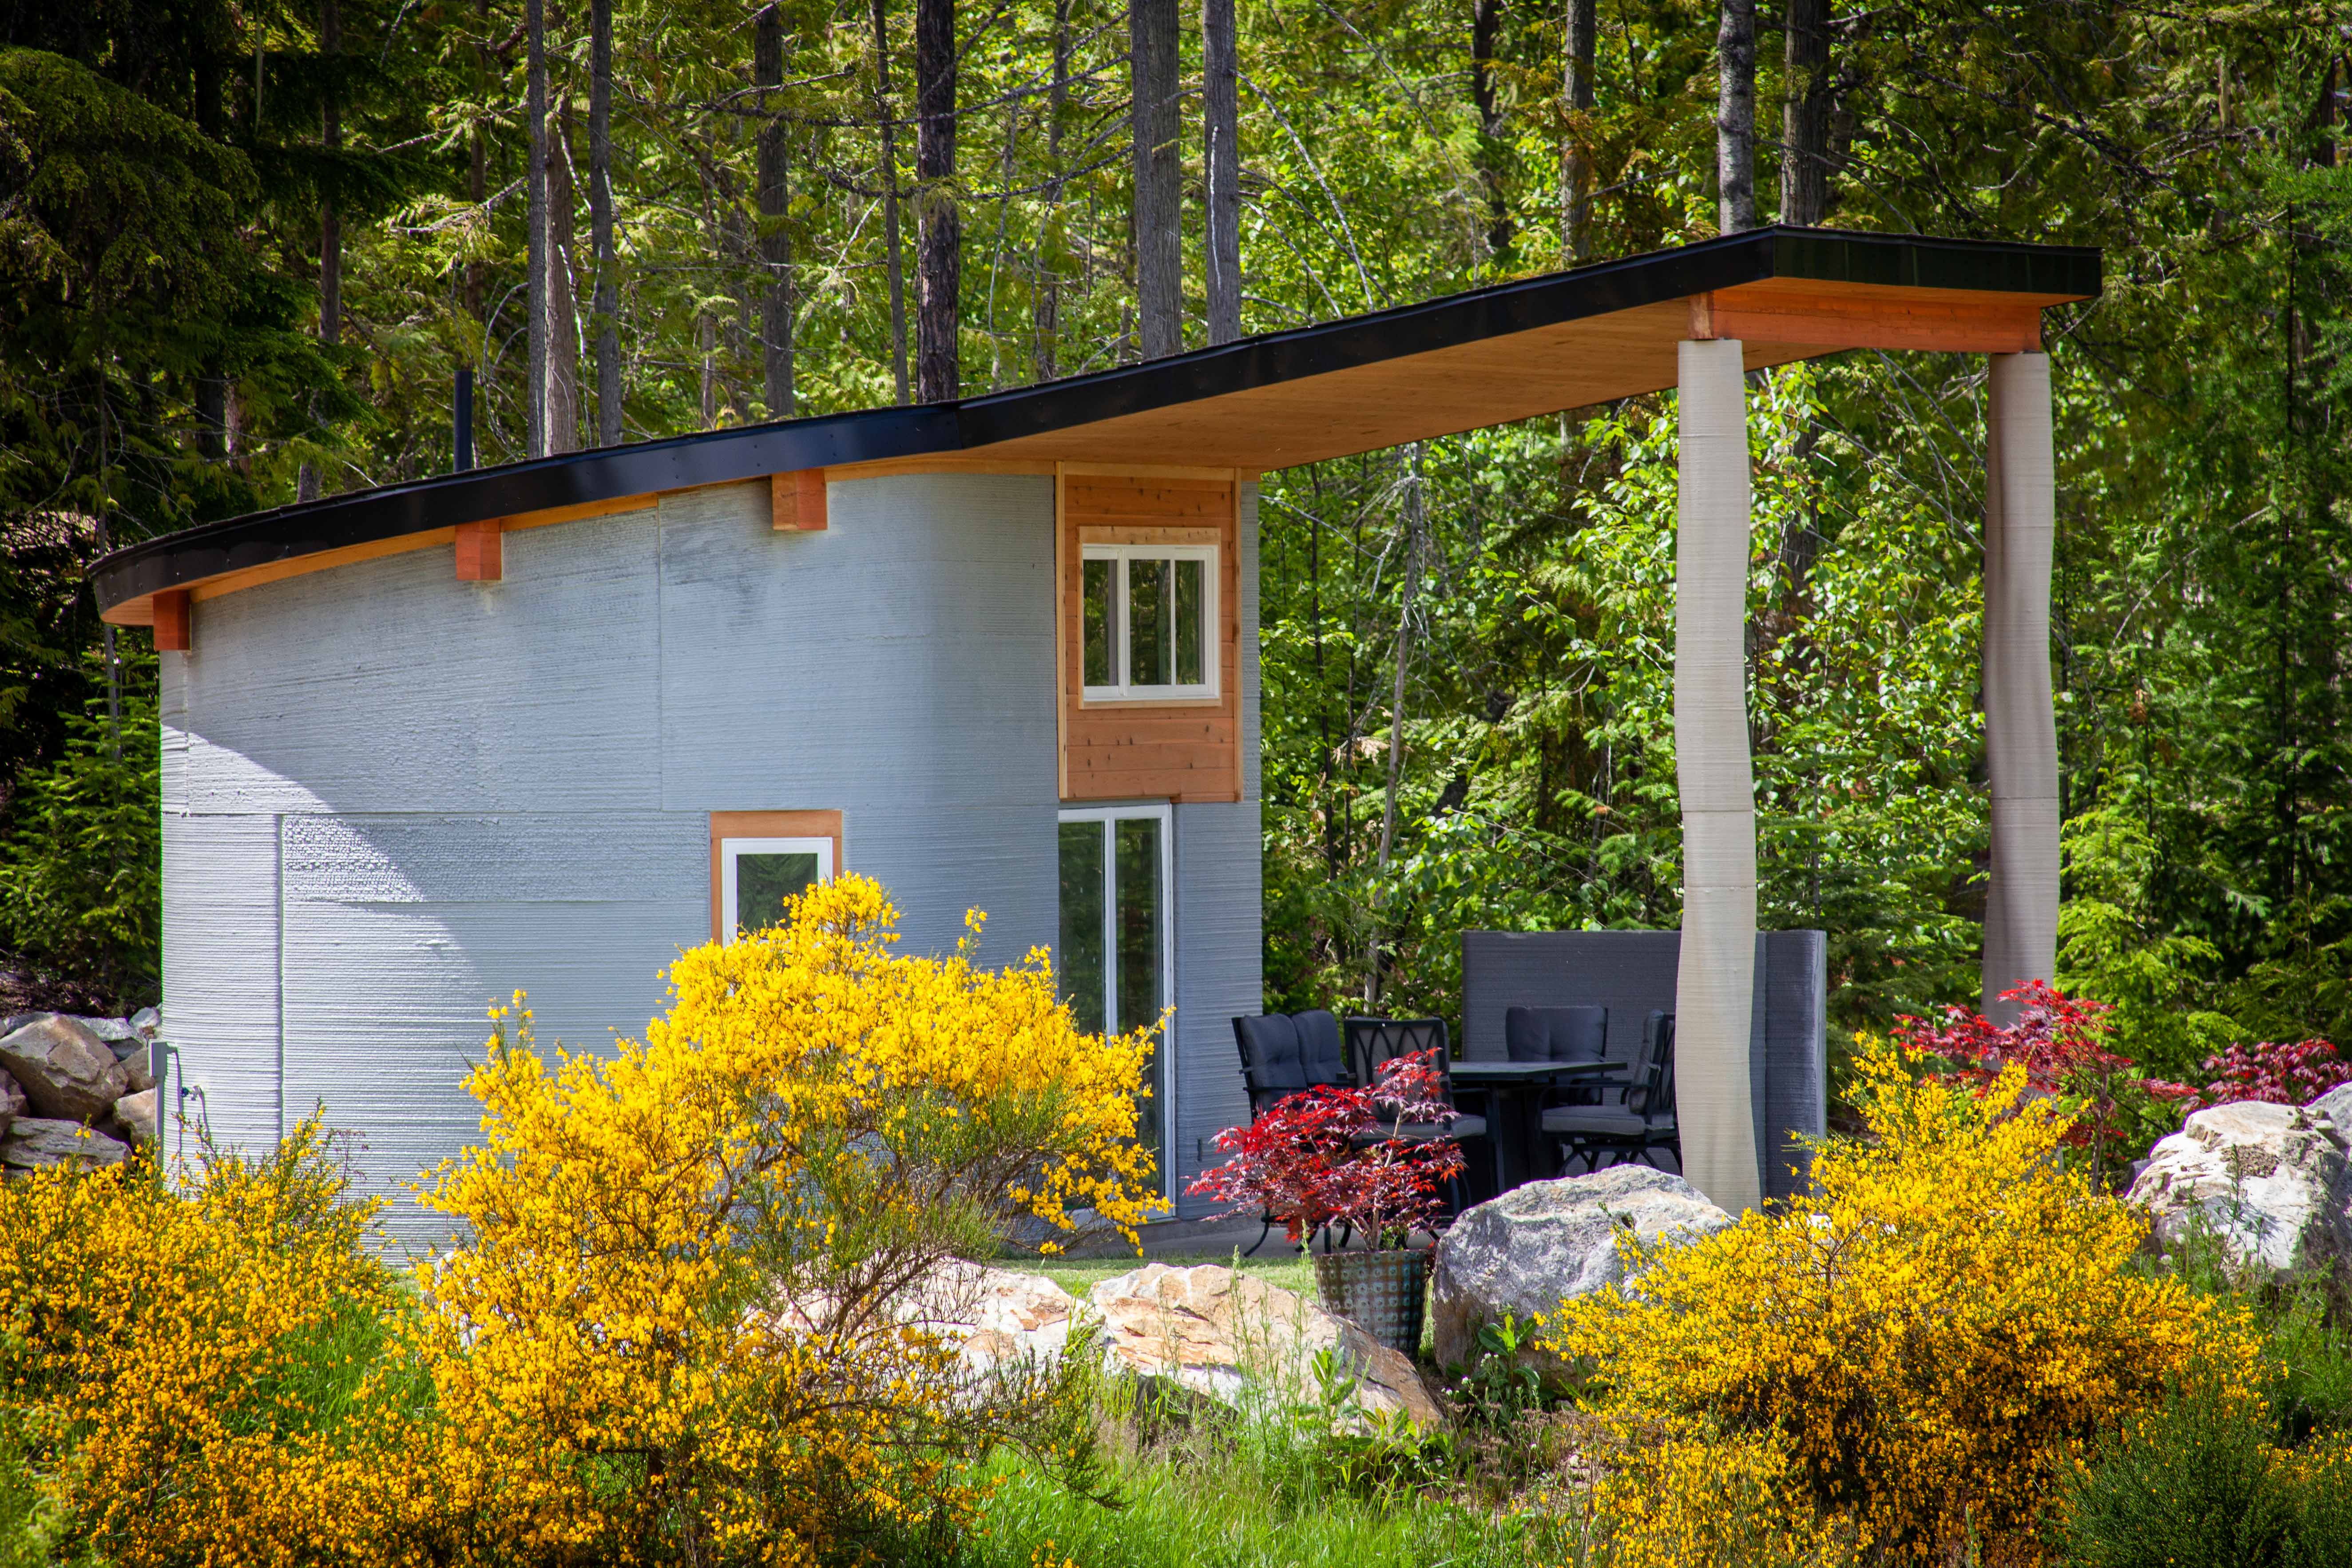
(464, 421)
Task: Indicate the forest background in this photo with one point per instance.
(247, 247)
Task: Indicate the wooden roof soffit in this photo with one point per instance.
(1801, 312)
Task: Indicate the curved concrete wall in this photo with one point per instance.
(392, 797)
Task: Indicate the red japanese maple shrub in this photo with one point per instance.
(2061, 1043)
(1330, 1155)
(2270, 1070)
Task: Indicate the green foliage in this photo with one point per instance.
(81, 882)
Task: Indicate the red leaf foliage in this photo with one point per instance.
(1331, 1154)
(2270, 1070)
(2059, 1040)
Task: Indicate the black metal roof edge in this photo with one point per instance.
(719, 457)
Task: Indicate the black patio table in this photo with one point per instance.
(1515, 1113)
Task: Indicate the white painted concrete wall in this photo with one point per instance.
(392, 797)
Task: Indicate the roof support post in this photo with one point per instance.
(2021, 932)
(1715, 982)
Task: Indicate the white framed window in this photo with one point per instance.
(1150, 618)
(757, 875)
(1116, 963)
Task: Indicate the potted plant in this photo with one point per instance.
(1333, 1155)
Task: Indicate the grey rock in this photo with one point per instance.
(33, 1141)
(136, 1117)
(13, 1102)
(147, 1020)
(67, 1073)
(137, 1076)
(115, 1032)
(2336, 1106)
(1536, 1246)
(15, 1021)
(2269, 1183)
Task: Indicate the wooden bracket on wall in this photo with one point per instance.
(798, 499)
(481, 551)
(172, 621)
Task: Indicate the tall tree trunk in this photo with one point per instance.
(1221, 136)
(1057, 98)
(1486, 35)
(938, 252)
(478, 157)
(1159, 170)
(1575, 158)
(607, 305)
(1805, 115)
(562, 287)
(1735, 117)
(775, 200)
(535, 266)
(330, 228)
(1413, 517)
(210, 389)
(896, 265)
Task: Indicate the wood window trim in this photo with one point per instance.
(725, 825)
(1182, 748)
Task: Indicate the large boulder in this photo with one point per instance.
(67, 1073)
(136, 1117)
(996, 1317)
(1527, 1251)
(2268, 1182)
(33, 1141)
(1233, 1337)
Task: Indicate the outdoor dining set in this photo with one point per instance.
(1555, 1104)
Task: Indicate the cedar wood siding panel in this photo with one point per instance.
(1182, 751)
(1220, 902)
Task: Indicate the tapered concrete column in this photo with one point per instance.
(2021, 933)
(1715, 986)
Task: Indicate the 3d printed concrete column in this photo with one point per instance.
(1715, 983)
(2021, 933)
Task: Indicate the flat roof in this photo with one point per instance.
(1513, 350)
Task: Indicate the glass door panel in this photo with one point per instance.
(1114, 954)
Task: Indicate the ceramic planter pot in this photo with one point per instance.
(1383, 1293)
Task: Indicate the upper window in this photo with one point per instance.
(1150, 621)
(757, 875)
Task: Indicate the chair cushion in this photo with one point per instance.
(1321, 1054)
(1597, 1120)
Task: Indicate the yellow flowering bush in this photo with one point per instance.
(1928, 1339)
(174, 1361)
(685, 1299)
(1686, 1498)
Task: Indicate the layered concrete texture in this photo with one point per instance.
(1718, 968)
(2021, 932)
(392, 799)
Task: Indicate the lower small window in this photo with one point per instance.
(756, 876)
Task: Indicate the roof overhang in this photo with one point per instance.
(1511, 352)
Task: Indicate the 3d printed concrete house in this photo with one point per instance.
(542, 725)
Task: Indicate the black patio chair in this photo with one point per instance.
(1373, 1042)
(1282, 1053)
(1639, 1122)
(1560, 1034)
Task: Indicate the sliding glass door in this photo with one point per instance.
(1118, 943)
